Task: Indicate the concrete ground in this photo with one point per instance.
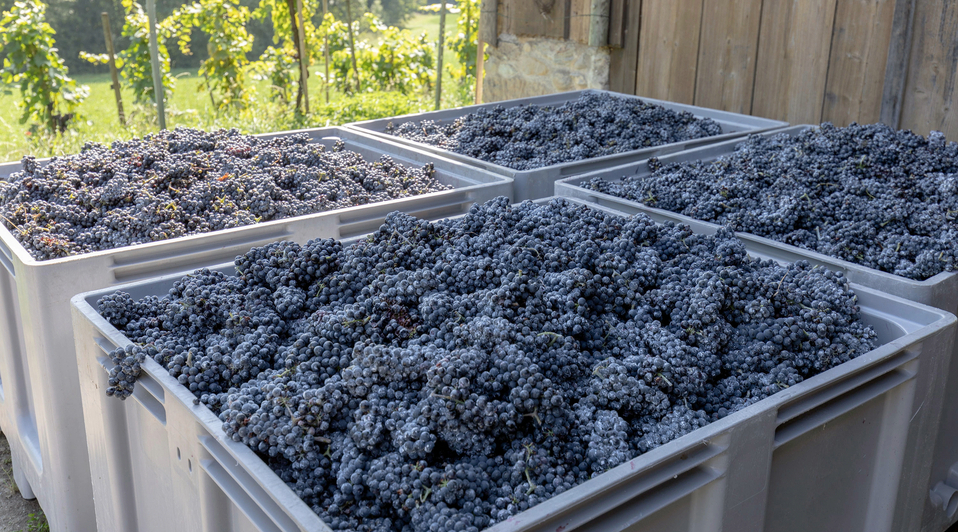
(16, 513)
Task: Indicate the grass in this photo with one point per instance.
(6, 467)
(37, 523)
(420, 22)
(190, 107)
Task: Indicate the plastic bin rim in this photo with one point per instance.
(27, 259)
(607, 480)
(24, 256)
(574, 181)
(532, 100)
(773, 124)
(271, 135)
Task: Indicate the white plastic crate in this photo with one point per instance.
(539, 182)
(40, 411)
(831, 453)
(939, 508)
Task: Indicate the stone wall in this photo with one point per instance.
(534, 66)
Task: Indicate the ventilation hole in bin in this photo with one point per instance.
(189, 465)
(178, 457)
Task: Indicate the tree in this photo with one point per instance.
(395, 12)
(48, 95)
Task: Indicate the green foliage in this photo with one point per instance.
(279, 12)
(48, 95)
(276, 65)
(95, 59)
(399, 61)
(224, 71)
(433, 9)
(395, 12)
(358, 7)
(134, 62)
(464, 44)
(37, 523)
(366, 106)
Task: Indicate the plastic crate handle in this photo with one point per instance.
(635, 496)
(240, 487)
(818, 409)
(189, 256)
(6, 258)
(147, 391)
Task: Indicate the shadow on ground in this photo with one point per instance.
(16, 513)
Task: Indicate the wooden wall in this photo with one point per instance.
(803, 61)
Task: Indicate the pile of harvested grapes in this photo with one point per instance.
(185, 182)
(449, 375)
(867, 194)
(533, 136)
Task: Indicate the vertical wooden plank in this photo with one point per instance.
(792, 66)
(668, 49)
(930, 98)
(579, 21)
(480, 69)
(624, 61)
(727, 54)
(617, 23)
(856, 65)
(488, 31)
(534, 18)
(896, 66)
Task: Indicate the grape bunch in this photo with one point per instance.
(867, 194)
(185, 182)
(532, 136)
(449, 375)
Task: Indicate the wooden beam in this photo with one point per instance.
(599, 23)
(668, 49)
(155, 64)
(534, 18)
(624, 61)
(108, 36)
(856, 65)
(578, 21)
(896, 64)
(727, 54)
(792, 67)
(480, 68)
(489, 22)
(617, 22)
(931, 100)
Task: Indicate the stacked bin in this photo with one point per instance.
(540, 182)
(40, 411)
(161, 462)
(937, 456)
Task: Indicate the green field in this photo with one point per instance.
(191, 107)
